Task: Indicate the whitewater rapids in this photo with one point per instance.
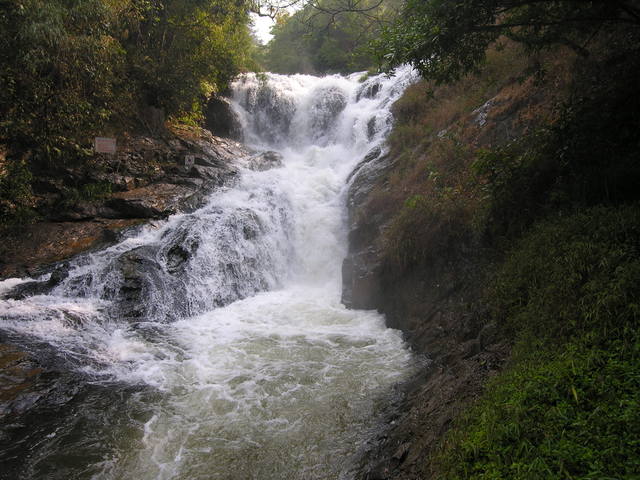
(246, 365)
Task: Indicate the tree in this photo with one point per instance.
(444, 39)
(74, 69)
(179, 50)
(327, 36)
(61, 67)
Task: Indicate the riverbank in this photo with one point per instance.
(85, 208)
(489, 182)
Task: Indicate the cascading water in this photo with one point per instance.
(240, 363)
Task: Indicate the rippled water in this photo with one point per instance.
(245, 364)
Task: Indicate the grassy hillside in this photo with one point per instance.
(532, 165)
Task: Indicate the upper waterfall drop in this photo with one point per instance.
(323, 126)
(297, 111)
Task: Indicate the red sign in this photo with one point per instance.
(105, 145)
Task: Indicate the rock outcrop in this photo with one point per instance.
(264, 161)
(360, 270)
(221, 120)
(149, 178)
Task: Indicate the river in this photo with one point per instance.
(243, 363)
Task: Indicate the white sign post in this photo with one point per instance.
(105, 145)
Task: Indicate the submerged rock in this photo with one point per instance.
(369, 90)
(30, 289)
(265, 161)
(326, 107)
(140, 272)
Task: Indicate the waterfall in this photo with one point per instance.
(218, 336)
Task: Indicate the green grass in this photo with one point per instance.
(568, 404)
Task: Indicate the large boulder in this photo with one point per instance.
(140, 276)
(221, 120)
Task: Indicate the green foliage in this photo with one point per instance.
(16, 196)
(518, 183)
(560, 209)
(573, 276)
(427, 229)
(587, 157)
(59, 68)
(178, 51)
(444, 39)
(324, 37)
(575, 416)
(75, 69)
(89, 192)
(568, 406)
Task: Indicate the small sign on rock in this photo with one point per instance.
(189, 161)
(105, 145)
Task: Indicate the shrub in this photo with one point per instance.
(568, 405)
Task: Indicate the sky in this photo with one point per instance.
(262, 26)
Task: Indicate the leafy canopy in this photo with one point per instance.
(71, 70)
(445, 39)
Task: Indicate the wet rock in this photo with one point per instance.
(18, 376)
(211, 161)
(177, 256)
(179, 249)
(251, 226)
(369, 157)
(163, 199)
(265, 161)
(60, 274)
(25, 384)
(140, 207)
(271, 110)
(86, 211)
(326, 107)
(361, 286)
(207, 173)
(221, 120)
(369, 90)
(139, 270)
(364, 176)
(29, 289)
(360, 281)
(371, 128)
